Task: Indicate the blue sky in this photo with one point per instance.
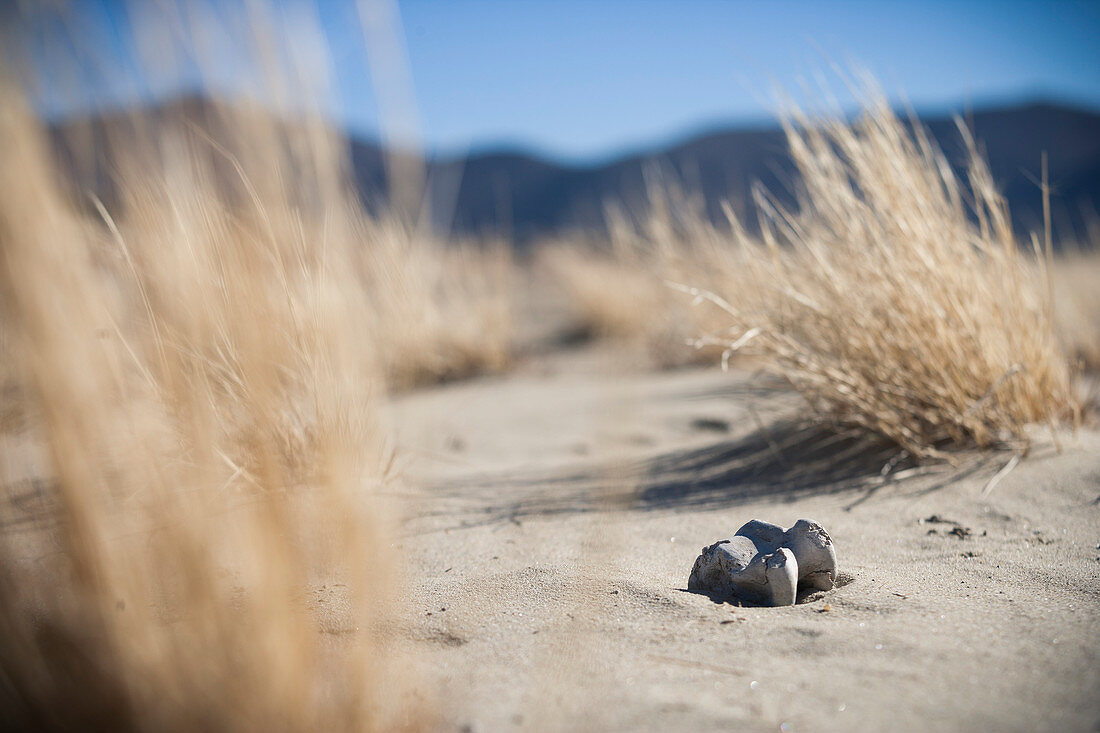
(586, 79)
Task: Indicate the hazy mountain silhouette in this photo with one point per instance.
(524, 196)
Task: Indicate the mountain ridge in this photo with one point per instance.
(723, 164)
(522, 195)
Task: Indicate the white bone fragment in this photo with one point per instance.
(763, 563)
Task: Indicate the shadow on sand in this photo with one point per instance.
(787, 461)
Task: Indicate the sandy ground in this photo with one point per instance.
(559, 509)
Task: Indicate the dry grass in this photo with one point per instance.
(196, 434)
(440, 311)
(617, 289)
(434, 310)
(1076, 275)
(188, 435)
(611, 295)
(896, 298)
(196, 445)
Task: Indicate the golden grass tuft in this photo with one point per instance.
(617, 289)
(610, 295)
(198, 445)
(192, 369)
(1075, 275)
(896, 298)
(440, 310)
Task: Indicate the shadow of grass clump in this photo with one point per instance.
(787, 460)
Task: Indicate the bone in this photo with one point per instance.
(816, 556)
(766, 564)
(736, 568)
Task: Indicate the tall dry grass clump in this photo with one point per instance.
(197, 447)
(440, 310)
(616, 289)
(611, 293)
(1075, 275)
(896, 297)
(189, 439)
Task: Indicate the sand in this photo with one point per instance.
(555, 513)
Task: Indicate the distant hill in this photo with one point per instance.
(523, 196)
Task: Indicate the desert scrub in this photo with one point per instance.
(192, 370)
(1075, 274)
(440, 310)
(200, 448)
(617, 288)
(895, 296)
(612, 294)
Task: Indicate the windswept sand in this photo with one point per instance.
(557, 513)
